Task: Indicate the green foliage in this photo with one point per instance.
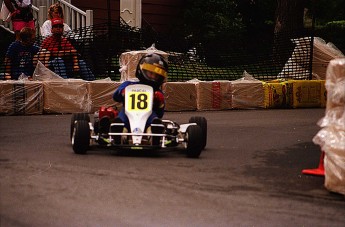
(218, 28)
(207, 20)
(336, 24)
(326, 10)
(256, 14)
(333, 32)
(226, 32)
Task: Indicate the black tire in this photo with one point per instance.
(81, 137)
(193, 138)
(77, 117)
(202, 122)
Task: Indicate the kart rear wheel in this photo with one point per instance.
(78, 117)
(193, 138)
(81, 137)
(202, 122)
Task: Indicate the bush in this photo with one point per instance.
(333, 32)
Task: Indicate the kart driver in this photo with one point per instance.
(152, 70)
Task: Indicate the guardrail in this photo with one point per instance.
(73, 16)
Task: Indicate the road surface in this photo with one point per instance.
(249, 175)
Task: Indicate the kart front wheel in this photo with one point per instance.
(78, 117)
(202, 122)
(193, 138)
(81, 137)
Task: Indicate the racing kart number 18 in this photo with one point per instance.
(138, 101)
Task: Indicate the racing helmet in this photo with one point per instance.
(152, 70)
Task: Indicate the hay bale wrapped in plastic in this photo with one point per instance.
(331, 137)
(129, 61)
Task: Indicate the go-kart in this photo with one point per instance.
(108, 131)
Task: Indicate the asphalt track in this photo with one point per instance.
(249, 175)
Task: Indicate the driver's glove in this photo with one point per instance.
(158, 100)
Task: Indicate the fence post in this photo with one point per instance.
(42, 15)
(312, 44)
(89, 18)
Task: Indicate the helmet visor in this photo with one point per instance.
(154, 69)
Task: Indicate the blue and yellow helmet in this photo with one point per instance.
(152, 64)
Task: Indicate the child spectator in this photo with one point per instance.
(20, 55)
(54, 11)
(21, 15)
(63, 56)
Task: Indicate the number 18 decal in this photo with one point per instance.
(138, 101)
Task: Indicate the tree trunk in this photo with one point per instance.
(288, 24)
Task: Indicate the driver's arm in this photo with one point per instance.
(119, 94)
(159, 103)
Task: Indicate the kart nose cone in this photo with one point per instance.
(137, 139)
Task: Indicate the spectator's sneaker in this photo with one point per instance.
(117, 127)
(157, 127)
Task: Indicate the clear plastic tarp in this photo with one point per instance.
(331, 137)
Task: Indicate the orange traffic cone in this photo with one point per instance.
(320, 170)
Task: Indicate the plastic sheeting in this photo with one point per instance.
(331, 137)
(67, 96)
(101, 94)
(306, 93)
(279, 94)
(214, 95)
(129, 61)
(297, 67)
(180, 96)
(42, 73)
(76, 95)
(22, 97)
(247, 93)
